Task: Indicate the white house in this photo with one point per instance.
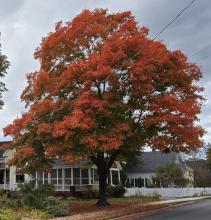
(140, 173)
(62, 176)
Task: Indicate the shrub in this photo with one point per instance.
(156, 196)
(3, 216)
(2, 192)
(13, 203)
(28, 195)
(37, 214)
(55, 207)
(41, 198)
(9, 214)
(46, 189)
(90, 193)
(10, 203)
(32, 196)
(116, 191)
(14, 194)
(3, 201)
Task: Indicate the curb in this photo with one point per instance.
(147, 213)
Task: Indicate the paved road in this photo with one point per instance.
(200, 210)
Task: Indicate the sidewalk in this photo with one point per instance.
(179, 200)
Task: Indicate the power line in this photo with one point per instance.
(204, 58)
(174, 19)
(167, 26)
(199, 51)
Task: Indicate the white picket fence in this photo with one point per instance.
(169, 192)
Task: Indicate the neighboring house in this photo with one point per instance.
(140, 173)
(63, 176)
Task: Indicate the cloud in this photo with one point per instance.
(9, 8)
(23, 23)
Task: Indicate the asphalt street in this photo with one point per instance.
(200, 210)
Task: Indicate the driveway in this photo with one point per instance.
(199, 210)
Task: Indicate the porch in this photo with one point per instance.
(68, 177)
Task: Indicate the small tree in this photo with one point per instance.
(170, 175)
(103, 91)
(201, 172)
(208, 155)
(200, 163)
(4, 65)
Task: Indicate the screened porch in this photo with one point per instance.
(64, 178)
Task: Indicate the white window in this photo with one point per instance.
(132, 182)
(94, 176)
(39, 177)
(84, 176)
(76, 176)
(115, 177)
(19, 178)
(59, 176)
(45, 178)
(67, 176)
(54, 177)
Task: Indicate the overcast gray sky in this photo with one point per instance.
(24, 22)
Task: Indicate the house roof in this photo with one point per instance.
(60, 163)
(1, 147)
(148, 162)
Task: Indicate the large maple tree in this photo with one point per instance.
(104, 90)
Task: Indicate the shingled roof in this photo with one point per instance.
(148, 162)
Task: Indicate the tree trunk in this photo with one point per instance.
(103, 167)
(102, 199)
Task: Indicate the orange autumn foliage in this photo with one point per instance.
(105, 87)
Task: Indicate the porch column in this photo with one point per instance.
(80, 177)
(4, 179)
(27, 178)
(144, 182)
(63, 179)
(119, 178)
(49, 178)
(71, 176)
(111, 178)
(43, 177)
(36, 179)
(89, 174)
(57, 181)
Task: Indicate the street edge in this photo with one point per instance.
(153, 211)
